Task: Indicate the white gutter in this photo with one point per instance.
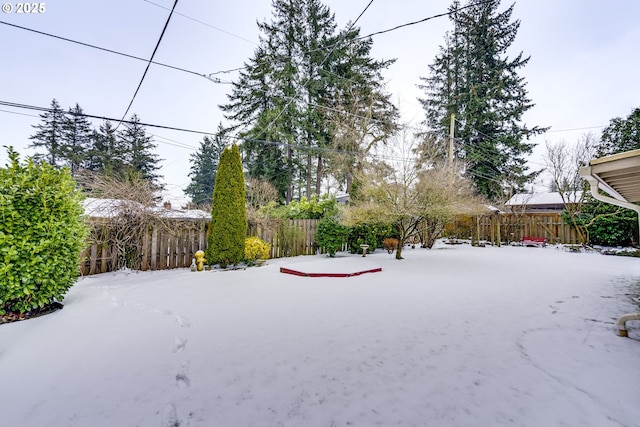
(597, 184)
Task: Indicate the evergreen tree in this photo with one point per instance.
(473, 78)
(267, 95)
(138, 150)
(288, 94)
(106, 154)
(266, 160)
(76, 142)
(621, 135)
(50, 135)
(228, 227)
(204, 165)
(360, 113)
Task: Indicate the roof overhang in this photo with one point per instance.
(618, 176)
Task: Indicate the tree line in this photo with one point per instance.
(310, 105)
(67, 139)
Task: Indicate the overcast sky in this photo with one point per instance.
(583, 71)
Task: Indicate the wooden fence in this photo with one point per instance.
(288, 238)
(513, 227)
(164, 248)
(161, 249)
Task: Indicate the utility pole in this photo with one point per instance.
(451, 131)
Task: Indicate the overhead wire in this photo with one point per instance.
(164, 29)
(104, 49)
(378, 156)
(203, 23)
(209, 75)
(240, 68)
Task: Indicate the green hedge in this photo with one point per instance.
(331, 235)
(228, 228)
(41, 234)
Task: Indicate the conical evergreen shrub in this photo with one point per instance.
(228, 227)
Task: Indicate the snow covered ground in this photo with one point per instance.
(454, 336)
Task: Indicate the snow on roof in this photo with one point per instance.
(533, 199)
(110, 208)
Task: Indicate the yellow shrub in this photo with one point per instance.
(256, 248)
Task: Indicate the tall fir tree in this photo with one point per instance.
(50, 135)
(138, 151)
(106, 154)
(228, 227)
(204, 165)
(286, 95)
(473, 78)
(76, 144)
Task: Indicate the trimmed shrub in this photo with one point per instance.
(255, 248)
(331, 236)
(613, 225)
(367, 234)
(41, 234)
(228, 227)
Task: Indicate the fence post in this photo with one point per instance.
(154, 248)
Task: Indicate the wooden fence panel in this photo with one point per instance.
(158, 249)
(513, 227)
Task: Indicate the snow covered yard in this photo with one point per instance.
(454, 336)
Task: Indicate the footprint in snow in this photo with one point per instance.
(170, 416)
(182, 380)
(182, 321)
(179, 344)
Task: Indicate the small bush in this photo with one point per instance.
(331, 236)
(312, 208)
(367, 234)
(41, 234)
(390, 244)
(255, 249)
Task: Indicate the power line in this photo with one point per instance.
(92, 116)
(575, 129)
(104, 49)
(19, 114)
(166, 24)
(379, 156)
(204, 23)
(209, 76)
(420, 21)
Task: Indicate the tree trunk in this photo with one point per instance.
(319, 173)
(309, 164)
(399, 249)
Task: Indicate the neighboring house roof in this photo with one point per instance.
(343, 198)
(110, 208)
(542, 201)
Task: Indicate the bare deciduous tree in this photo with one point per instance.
(260, 192)
(563, 163)
(126, 214)
(396, 191)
